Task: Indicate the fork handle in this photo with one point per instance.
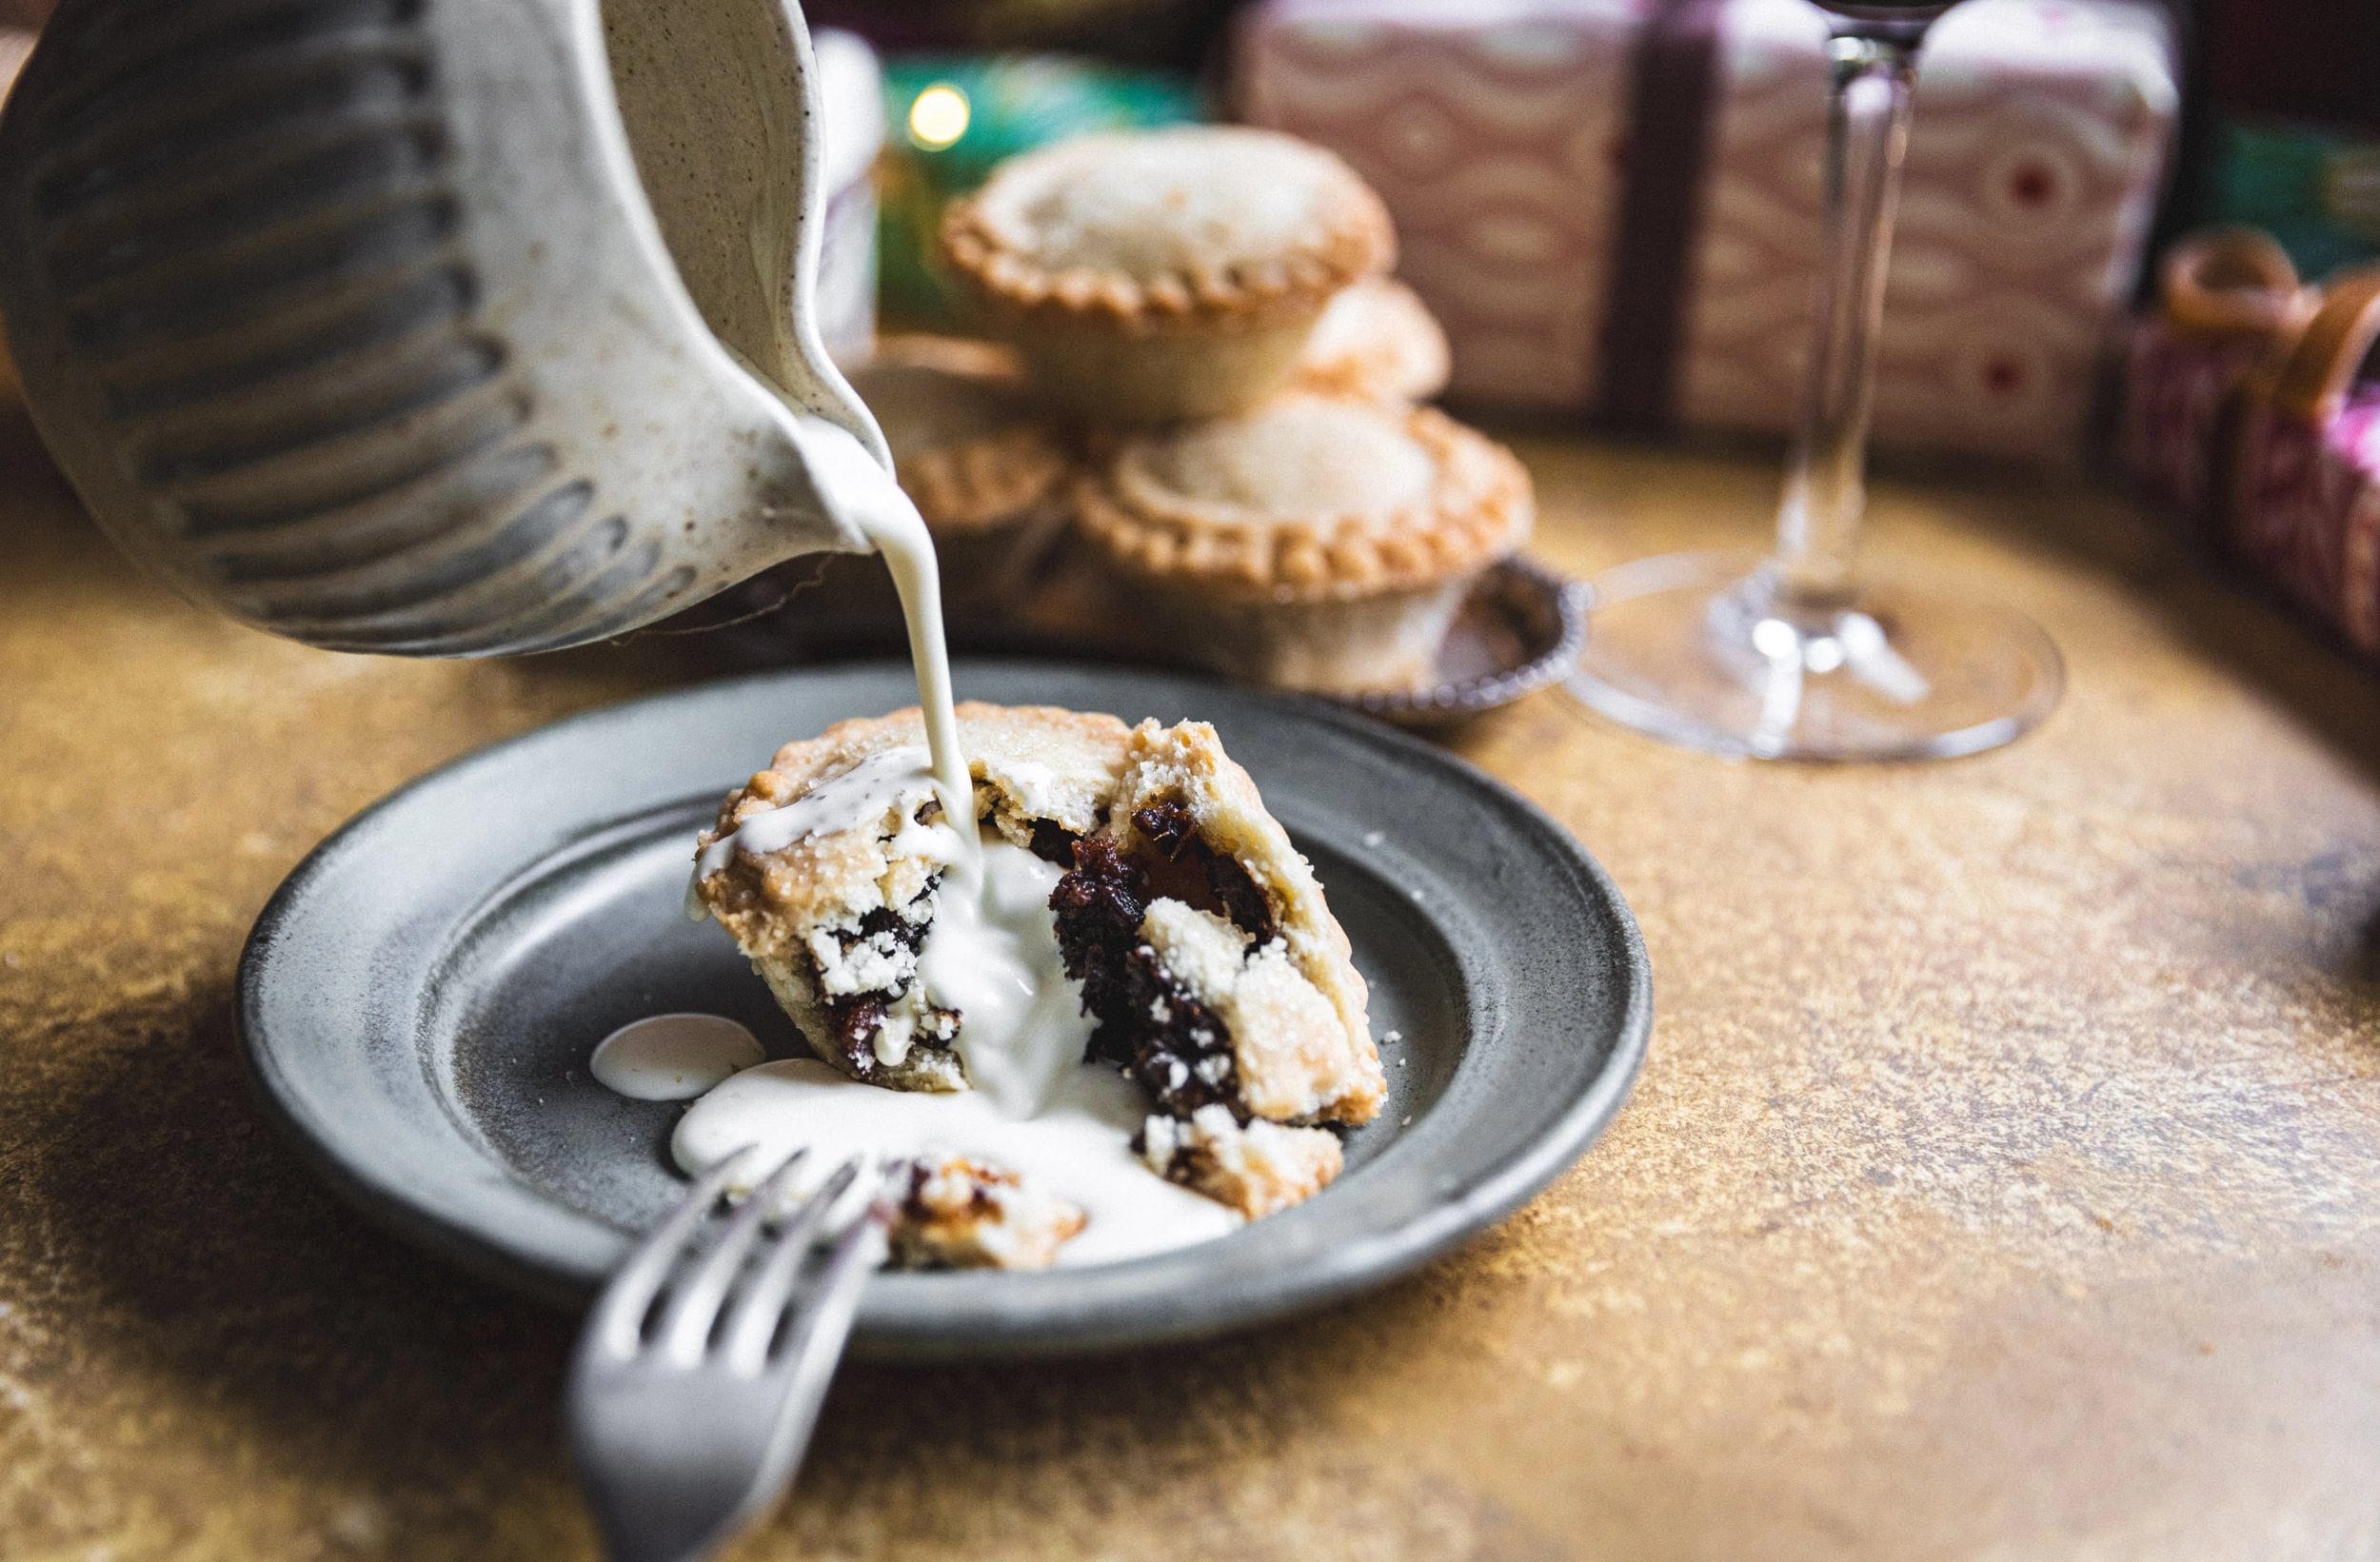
(821, 1322)
(817, 1350)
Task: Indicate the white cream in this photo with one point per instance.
(1078, 1148)
(868, 790)
(673, 1058)
(992, 953)
(858, 491)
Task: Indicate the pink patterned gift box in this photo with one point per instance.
(2309, 509)
(1613, 205)
(2176, 385)
(2249, 411)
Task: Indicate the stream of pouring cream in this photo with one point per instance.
(856, 489)
(1036, 1108)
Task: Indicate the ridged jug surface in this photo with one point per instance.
(352, 318)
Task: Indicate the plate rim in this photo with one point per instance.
(1519, 1176)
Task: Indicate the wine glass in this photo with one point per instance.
(1796, 655)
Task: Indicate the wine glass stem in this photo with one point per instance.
(1817, 526)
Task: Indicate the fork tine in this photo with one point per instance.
(834, 1297)
(686, 1323)
(752, 1317)
(823, 1309)
(617, 1319)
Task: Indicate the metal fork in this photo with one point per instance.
(686, 1429)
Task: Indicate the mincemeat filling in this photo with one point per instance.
(857, 1018)
(1230, 892)
(1052, 842)
(1147, 1021)
(914, 1208)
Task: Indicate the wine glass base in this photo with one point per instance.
(1688, 648)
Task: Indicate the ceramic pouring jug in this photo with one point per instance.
(440, 328)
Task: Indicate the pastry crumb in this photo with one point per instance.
(1256, 1168)
(963, 1214)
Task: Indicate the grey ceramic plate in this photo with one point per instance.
(419, 999)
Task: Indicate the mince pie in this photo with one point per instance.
(1317, 542)
(1378, 342)
(1159, 275)
(985, 464)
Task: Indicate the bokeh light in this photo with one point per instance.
(938, 117)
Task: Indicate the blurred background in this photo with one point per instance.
(1611, 205)
(2059, 143)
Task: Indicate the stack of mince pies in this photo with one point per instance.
(1199, 406)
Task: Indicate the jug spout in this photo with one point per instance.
(368, 334)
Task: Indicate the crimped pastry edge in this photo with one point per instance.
(1481, 509)
(1356, 237)
(990, 479)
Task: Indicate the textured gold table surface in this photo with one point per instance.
(2004, 1181)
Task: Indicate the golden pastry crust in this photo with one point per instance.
(1197, 935)
(972, 446)
(1303, 1051)
(1376, 341)
(835, 919)
(1256, 1168)
(1156, 276)
(1308, 499)
(1182, 228)
(963, 1214)
(1029, 762)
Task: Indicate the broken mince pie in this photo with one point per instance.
(957, 1213)
(1197, 953)
(1218, 975)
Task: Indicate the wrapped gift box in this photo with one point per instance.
(2246, 408)
(1613, 205)
(2179, 385)
(2302, 483)
(2228, 302)
(2309, 510)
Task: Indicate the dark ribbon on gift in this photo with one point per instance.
(1675, 80)
(1675, 86)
